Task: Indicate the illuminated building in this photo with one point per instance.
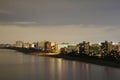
(25, 45)
(95, 50)
(62, 46)
(41, 45)
(31, 45)
(106, 47)
(72, 48)
(84, 48)
(63, 50)
(18, 43)
(47, 46)
(54, 47)
(115, 50)
(119, 46)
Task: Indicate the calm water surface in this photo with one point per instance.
(17, 66)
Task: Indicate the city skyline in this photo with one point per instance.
(60, 21)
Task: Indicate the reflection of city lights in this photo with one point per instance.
(74, 65)
(59, 62)
(83, 66)
(52, 68)
(87, 67)
(59, 68)
(32, 59)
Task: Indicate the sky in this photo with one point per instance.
(71, 21)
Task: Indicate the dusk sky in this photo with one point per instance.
(71, 21)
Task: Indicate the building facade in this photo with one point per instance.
(84, 48)
(106, 47)
(47, 46)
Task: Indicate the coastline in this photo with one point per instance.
(91, 61)
(97, 61)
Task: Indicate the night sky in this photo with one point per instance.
(71, 21)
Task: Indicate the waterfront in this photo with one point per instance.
(18, 66)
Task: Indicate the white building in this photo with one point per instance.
(62, 45)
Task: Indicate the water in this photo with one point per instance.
(18, 66)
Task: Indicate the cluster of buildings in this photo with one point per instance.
(102, 49)
(46, 46)
(43, 46)
(97, 49)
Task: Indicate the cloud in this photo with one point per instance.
(59, 20)
(5, 12)
(19, 23)
(61, 12)
(24, 23)
(60, 33)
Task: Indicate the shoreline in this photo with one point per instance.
(97, 61)
(91, 61)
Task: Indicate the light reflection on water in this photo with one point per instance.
(18, 66)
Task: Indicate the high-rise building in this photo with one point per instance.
(106, 47)
(54, 47)
(18, 43)
(47, 46)
(95, 50)
(84, 48)
(62, 46)
(41, 45)
(73, 49)
(118, 46)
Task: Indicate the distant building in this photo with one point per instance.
(95, 50)
(18, 44)
(63, 50)
(118, 46)
(41, 45)
(5, 45)
(62, 46)
(72, 48)
(54, 47)
(25, 45)
(47, 46)
(31, 45)
(35, 45)
(106, 47)
(84, 48)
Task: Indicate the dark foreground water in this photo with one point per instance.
(17, 66)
